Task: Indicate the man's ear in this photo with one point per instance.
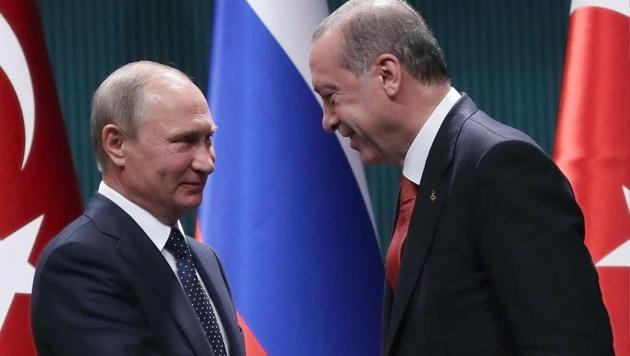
(113, 140)
(389, 72)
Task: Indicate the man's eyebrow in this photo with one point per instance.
(185, 134)
(193, 133)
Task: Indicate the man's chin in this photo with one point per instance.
(190, 201)
(368, 158)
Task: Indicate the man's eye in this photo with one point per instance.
(187, 140)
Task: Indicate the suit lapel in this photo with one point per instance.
(140, 253)
(212, 276)
(433, 190)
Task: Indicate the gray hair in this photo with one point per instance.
(374, 27)
(119, 100)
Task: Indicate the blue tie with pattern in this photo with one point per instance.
(195, 292)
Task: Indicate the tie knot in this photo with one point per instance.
(176, 243)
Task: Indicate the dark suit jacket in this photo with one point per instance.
(102, 288)
(495, 264)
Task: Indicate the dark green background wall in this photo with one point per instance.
(506, 54)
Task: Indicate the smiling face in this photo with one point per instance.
(355, 106)
(166, 165)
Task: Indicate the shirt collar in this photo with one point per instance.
(155, 230)
(416, 157)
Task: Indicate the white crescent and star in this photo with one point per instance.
(15, 271)
(13, 63)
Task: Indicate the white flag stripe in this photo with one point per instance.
(291, 23)
(620, 6)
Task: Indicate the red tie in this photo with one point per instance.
(407, 199)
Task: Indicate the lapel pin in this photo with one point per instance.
(433, 197)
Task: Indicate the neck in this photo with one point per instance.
(419, 101)
(422, 102)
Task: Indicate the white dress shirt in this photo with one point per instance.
(416, 157)
(158, 234)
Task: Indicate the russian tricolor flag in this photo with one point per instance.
(287, 208)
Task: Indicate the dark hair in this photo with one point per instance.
(374, 27)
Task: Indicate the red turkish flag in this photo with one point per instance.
(593, 144)
(38, 190)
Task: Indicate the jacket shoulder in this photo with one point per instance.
(80, 235)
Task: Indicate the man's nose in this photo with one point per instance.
(204, 159)
(330, 121)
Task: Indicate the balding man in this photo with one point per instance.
(123, 279)
(487, 257)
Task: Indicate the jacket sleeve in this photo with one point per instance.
(529, 233)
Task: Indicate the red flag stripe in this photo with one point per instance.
(252, 346)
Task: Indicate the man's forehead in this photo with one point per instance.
(325, 52)
(168, 91)
(166, 81)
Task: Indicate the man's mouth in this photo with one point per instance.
(346, 132)
(194, 184)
